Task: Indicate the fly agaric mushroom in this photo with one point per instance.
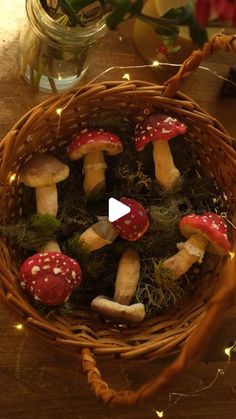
(50, 277)
(43, 172)
(159, 129)
(133, 314)
(91, 144)
(127, 277)
(133, 225)
(204, 232)
(130, 227)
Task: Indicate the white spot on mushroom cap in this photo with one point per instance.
(46, 266)
(56, 271)
(45, 279)
(30, 262)
(165, 131)
(35, 270)
(47, 260)
(73, 274)
(127, 222)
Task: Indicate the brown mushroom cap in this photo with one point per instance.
(43, 170)
(90, 141)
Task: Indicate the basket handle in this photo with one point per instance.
(193, 349)
(218, 42)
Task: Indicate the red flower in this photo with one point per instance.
(203, 11)
(226, 10)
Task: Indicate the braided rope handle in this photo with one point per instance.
(219, 304)
(193, 349)
(218, 42)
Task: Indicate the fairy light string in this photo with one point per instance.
(220, 372)
(127, 77)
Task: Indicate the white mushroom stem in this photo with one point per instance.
(127, 277)
(98, 235)
(51, 246)
(134, 313)
(46, 200)
(165, 171)
(191, 251)
(94, 172)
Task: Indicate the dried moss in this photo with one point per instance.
(33, 232)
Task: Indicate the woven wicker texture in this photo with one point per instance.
(188, 331)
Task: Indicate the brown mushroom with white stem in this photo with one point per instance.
(119, 312)
(206, 232)
(159, 129)
(43, 172)
(92, 144)
(127, 277)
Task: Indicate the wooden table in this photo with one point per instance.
(35, 380)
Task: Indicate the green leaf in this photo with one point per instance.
(197, 32)
(67, 8)
(121, 9)
(174, 13)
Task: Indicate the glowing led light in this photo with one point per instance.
(230, 349)
(126, 77)
(231, 254)
(155, 63)
(159, 414)
(18, 326)
(59, 111)
(227, 351)
(12, 177)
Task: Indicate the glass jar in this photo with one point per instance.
(52, 57)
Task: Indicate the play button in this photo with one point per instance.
(116, 209)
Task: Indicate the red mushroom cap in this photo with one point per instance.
(211, 226)
(50, 277)
(157, 127)
(132, 226)
(89, 141)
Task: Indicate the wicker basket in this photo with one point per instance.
(81, 333)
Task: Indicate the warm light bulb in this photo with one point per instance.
(12, 178)
(59, 111)
(160, 414)
(18, 326)
(155, 63)
(231, 255)
(126, 77)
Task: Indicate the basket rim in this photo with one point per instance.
(33, 320)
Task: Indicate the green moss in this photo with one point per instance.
(44, 223)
